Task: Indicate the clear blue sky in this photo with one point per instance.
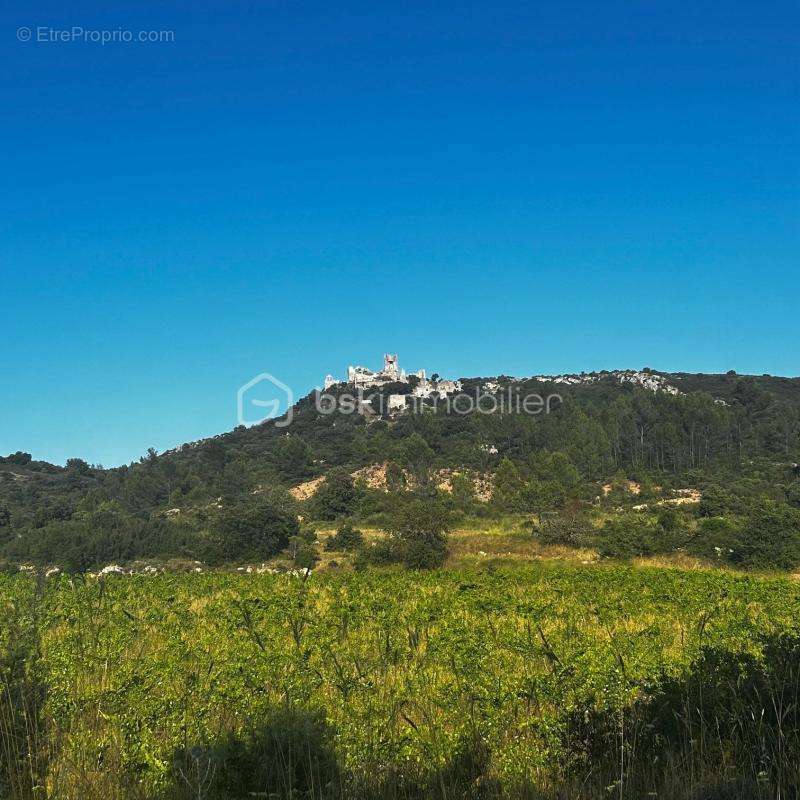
(291, 186)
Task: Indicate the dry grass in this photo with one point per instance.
(677, 560)
(514, 546)
(508, 539)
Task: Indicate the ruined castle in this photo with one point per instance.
(364, 378)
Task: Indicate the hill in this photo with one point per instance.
(739, 435)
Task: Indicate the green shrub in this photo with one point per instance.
(308, 534)
(346, 538)
(420, 529)
(255, 531)
(770, 538)
(567, 529)
(717, 538)
(294, 458)
(716, 502)
(381, 553)
(336, 497)
(793, 494)
(626, 537)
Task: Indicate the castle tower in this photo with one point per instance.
(390, 364)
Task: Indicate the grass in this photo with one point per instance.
(508, 540)
(539, 679)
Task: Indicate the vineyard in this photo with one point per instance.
(540, 681)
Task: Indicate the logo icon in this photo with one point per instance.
(271, 394)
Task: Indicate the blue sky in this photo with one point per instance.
(484, 188)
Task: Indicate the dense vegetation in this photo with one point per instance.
(735, 438)
(538, 682)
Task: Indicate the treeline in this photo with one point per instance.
(602, 428)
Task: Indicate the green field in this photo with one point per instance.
(516, 681)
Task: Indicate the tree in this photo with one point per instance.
(150, 457)
(336, 497)
(770, 538)
(537, 496)
(77, 466)
(556, 467)
(304, 553)
(508, 485)
(717, 502)
(463, 490)
(213, 458)
(417, 456)
(395, 477)
(716, 538)
(256, 531)
(19, 458)
(420, 529)
(294, 458)
(346, 538)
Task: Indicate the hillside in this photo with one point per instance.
(673, 431)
